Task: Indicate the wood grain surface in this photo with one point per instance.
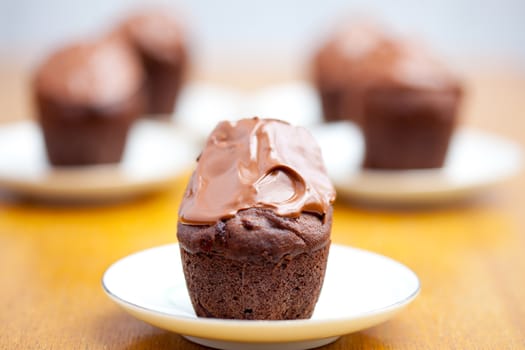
(470, 256)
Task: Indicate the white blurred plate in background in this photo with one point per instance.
(155, 154)
(476, 160)
(202, 106)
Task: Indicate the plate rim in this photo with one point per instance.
(453, 191)
(37, 188)
(276, 327)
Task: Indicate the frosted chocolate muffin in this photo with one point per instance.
(405, 100)
(160, 42)
(254, 223)
(87, 97)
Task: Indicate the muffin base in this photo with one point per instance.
(331, 103)
(163, 83)
(220, 287)
(408, 129)
(81, 135)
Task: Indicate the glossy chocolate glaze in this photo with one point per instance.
(257, 163)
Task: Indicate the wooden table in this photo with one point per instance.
(469, 256)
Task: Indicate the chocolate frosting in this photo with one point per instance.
(257, 163)
(91, 73)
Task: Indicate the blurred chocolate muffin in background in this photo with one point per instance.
(408, 120)
(405, 100)
(159, 40)
(87, 96)
(348, 62)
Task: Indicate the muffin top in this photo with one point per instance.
(92, 73)
(155, 33)
(257, 163)
(363, 53)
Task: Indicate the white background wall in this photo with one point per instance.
(244, 29)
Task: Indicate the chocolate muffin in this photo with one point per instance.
(408, 129)
(409, 118)
(346, 65)
(160, 42)
(405, 100)
(254, 223)
(87, 97)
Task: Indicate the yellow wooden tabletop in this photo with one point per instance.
(469, 256)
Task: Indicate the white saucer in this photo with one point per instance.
(155, 154)
(295, 102)
(361, 289)
(202, 105)
(476, 161)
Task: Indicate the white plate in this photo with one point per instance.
(476, 160)
(295, 102)
(361, 289)
(155, 154)
(202, 105)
